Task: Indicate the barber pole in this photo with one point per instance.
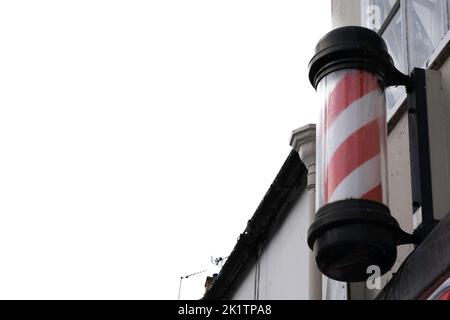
(353, 228)
(352, 132)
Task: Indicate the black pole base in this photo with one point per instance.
(350, 235)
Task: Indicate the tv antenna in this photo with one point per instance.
(185, 277)
(218, 261)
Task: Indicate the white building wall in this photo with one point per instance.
(284, 263)
(400, 201)
(345, 13)
(245, 290)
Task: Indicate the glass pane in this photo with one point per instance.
(375, 12)
(426, 28)
(393, 37)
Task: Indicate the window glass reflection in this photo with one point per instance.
(393, 37)
(426, 28)
(375, 12)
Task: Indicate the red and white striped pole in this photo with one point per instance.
(352, 148)
(353, 228)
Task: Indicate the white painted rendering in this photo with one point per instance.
(284, 262)
(345, 13)
(304, 141)
(245, 288)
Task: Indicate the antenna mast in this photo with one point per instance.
(185, 277)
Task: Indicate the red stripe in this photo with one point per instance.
(445, 296)
(353, 86)
(359, 148)
(376, 194)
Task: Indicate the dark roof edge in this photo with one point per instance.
(290, 181)
(424, 269)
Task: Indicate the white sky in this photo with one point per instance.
(138, 137)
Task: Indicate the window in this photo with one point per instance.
(396, 47)
(375, 12)
(426, 26)
(412, 29)
(448, 14)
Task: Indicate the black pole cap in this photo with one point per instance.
(348, 236)
(354, 47)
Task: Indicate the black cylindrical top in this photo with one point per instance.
(348, 48)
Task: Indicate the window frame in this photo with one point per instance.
(400, 8)
(445, 20)
(389, 17)
(435, 59)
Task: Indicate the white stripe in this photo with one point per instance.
(354, 117)
(360, 181)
